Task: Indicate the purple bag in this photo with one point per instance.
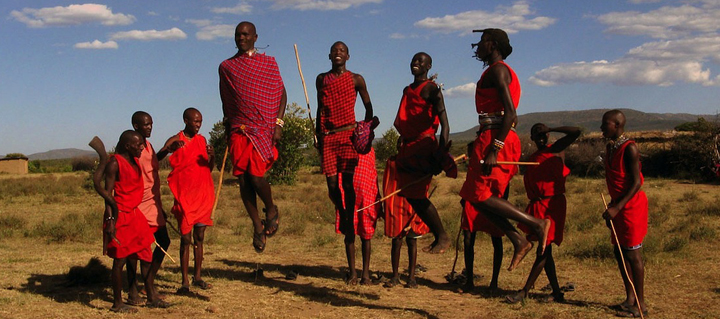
(364, 134)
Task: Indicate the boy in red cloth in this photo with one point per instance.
(128, 228)
(400, 221)
(253, 100)
(151, 205)
(192, 186)
(366, 193)
(421, 111)
(628, 209)
(496, 98)
(545, 188)
(337, 91)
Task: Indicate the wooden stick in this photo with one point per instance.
(220, 182)
(166, 253)
(622, 258)
(307, 99)
(513, 163)
(457, 159)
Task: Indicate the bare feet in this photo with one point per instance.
(516, 297)
(394, 281)
(411, 284)
(519, 254)
(351, 279)
(368, 282)
(439, 246)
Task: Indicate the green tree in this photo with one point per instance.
(15, 155)
(386, 147)
(297, 137)
(219, 143)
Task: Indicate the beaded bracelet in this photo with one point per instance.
(498, 144)
(279, 122)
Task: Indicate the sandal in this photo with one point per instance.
(516, 297)
(124, 309)
(259, 242)
(202, 284)
(158, 304)
(271, 223)
(183, 290)
(558, 297)
(631, 312)
(392, 283)
(411, 284)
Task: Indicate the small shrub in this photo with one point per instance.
(85, 163)
(596, 248)
(674, 244)
(689, 197)
(707, 209)
(71, 227)
(702, 232)
(9, 225)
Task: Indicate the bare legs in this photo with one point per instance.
(252, 187)
(498, 211)
(198, 237)
(469, 254)
(429, 214)
(412, 262)
(636, 270)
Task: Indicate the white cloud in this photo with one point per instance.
(209, 32)
(626, 71)
(460, 91)
(149, 35)
(511, 19)
(397, 35)
(665, 22)
(689, 49)
(152, 13)
(97, 44)
(321, 5)
(643, 1)
(241, 8)
(74, 14)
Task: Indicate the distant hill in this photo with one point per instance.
(589, 120)
(61, 154)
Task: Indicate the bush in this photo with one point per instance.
(297, 136)
(85, 163)
(386, 147)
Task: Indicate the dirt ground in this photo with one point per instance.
(34, 285)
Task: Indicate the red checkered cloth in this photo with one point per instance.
(366, 192)
(337, 110)
(337, 99)
(251, 89)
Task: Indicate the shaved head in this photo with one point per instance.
(189, 113)
(617, 116)
(139, 116)
(127, 137)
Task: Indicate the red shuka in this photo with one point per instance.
(400, 218)
(545, 187)
(366, 192)
(338, 97)
(478, 187)
(191, 183)
(151, 206)
(474, 220)
(416, 116)
(131, 227)
(632, 221)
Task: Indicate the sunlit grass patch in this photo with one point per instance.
(70, 227)
(11, 225)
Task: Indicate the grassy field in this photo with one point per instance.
(51, 223)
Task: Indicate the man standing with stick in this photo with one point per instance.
(627, 213)
(337, 90)
(496, 98)
(253, 98)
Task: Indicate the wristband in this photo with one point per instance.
(109, 218)
(498, 144)
(279, 122)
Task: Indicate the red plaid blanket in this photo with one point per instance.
(251, 88)
(338, 98)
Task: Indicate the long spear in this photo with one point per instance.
(622, 258)
(307, 99)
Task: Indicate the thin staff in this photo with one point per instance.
(622, 258)
(166, 253)
(220, 182)
(307, 99)
(458, 159)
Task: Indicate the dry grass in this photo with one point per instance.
(45, 230)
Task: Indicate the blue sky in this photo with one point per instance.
(71, 70)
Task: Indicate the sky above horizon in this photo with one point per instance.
(73, 70)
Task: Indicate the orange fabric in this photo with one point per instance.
(191, 183)
(151, 204)
(246, 159)
(415, 116)
(479, 187)
(131, 227)
(487, 100)
(631, 222)
(545, 187)
(398, 212)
